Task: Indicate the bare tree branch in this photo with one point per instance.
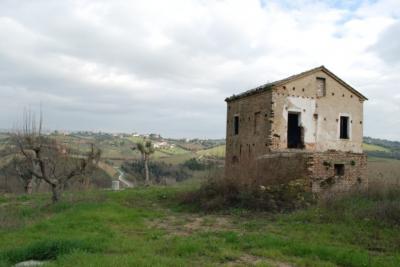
(48, 160)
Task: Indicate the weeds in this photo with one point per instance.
(221, 194)
(46, 250)
(379, 204)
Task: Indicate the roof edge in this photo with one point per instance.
(344, 83)
(269, 86)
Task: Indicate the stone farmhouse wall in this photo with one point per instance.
(258, 152)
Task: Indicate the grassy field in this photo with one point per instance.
(218, 151)
(177, 159)
(174, 151)
(384, 169)
(370, 147)
(148, 227)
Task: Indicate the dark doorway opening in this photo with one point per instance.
(294, 135)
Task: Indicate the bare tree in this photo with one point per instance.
(48, 160)
(22, 169)
(146, 149)
(93, 158)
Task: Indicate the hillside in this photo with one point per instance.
(117, 147)
(370, 147)
(149, 227)
(381, 148)
(217, 152)
(392, 145)
(117, 150)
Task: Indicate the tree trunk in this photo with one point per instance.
(55, 190)
(37, 184)
(86, 182)
(29, 186)
(146, 170)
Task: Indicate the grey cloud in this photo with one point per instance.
(126, 66)
(388, 44)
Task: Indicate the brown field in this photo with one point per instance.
(384, 169)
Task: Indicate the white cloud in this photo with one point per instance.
(166, 66)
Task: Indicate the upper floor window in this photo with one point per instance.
(321, 86)
(236, 124)
(344, 127)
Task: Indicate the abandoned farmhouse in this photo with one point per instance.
(307, 126)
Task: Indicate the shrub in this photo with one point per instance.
(194, 164)
(384, 203)
(158, 170)
(198, 165)
(222, 193)
(384, 211)
(380, 204)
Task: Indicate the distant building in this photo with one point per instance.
(307, 126)
(162, 144)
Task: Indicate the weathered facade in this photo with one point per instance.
(308, 126)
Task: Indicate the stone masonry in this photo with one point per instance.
(308, 126)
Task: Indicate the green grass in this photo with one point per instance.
(135, 139)
(386, 160)
(148, 227)
(177, 159)
(218, 151)
(370, 147)
(174, 151)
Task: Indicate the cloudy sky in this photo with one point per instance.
(166, 66)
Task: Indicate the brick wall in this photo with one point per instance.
(316, 168)
(323, 175)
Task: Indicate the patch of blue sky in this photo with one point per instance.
(350, 5)
(263, 3)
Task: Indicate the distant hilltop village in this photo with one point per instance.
(158, 141)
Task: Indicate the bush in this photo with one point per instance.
(222, 193)
(380, 204)
(384, 203)
(194, 164)
(198, 165)
(158, 170)
(387, 212)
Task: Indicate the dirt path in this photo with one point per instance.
(122, 179)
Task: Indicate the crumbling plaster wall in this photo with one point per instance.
(263, 157)
(319, 115)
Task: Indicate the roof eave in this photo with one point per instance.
(268, 86)
(255, 91)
